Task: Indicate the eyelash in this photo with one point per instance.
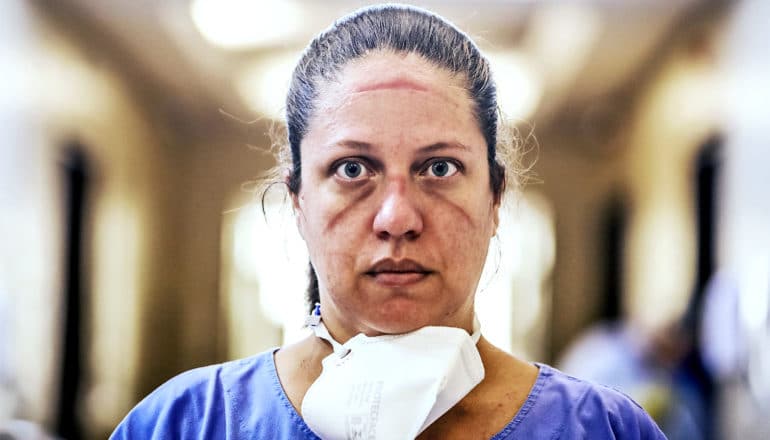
(426, 168)
(337, 168)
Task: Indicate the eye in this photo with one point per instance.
(442, 168)
(350, 170)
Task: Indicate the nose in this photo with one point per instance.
(398, 215)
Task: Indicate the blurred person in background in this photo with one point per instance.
(652, 368)
(396, 169)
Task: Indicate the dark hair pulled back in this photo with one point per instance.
(402, 29)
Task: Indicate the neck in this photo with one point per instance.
(342, 334)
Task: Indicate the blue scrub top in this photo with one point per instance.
(244, 399)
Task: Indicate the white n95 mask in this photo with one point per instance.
(392, 386)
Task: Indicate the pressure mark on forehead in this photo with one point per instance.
(396, 83)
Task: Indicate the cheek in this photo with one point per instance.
(333, 212)
(463, 212)
(465, 231)
(334, 231)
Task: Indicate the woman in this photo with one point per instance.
(396, 181)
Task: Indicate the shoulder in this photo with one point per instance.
(200, 401)
(569, 407)
(593, 410)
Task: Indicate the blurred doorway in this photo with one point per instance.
(76, 176)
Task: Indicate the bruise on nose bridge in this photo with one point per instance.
(397, 211)
(396, 183)
(395, 193)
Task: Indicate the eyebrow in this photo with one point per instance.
(365, 146)
(444, 146)
(353, 145)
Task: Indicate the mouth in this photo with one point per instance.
(390, 272)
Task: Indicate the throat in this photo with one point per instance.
(299, 365)
(493, 404)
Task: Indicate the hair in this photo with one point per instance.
(401, 29)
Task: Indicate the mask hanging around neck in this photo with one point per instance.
(390, 386)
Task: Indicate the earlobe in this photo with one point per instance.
(286, 176)
(298, 217)
(295, 202)
(495, 218)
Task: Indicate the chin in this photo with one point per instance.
(403, 316)
(393, 328)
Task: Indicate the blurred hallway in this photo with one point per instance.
(133, 247)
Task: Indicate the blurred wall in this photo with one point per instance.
(635, 146)
(153, 219)
(740, 335)
(164, 179)
(60, 96)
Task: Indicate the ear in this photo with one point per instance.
(296, 204)
(495, 217)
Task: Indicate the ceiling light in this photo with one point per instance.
(561, 37)
(518, 88)
(263, 85)
(241, 24)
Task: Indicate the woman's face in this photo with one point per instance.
(395, 203)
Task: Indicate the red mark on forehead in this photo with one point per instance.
(397, 83)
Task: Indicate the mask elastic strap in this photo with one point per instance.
(476, 329)
(316, 324)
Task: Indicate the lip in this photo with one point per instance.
(397, 273)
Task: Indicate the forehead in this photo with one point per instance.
(395, 96)
(392, 70)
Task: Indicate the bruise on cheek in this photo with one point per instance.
(344, 205)
(453, 203)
